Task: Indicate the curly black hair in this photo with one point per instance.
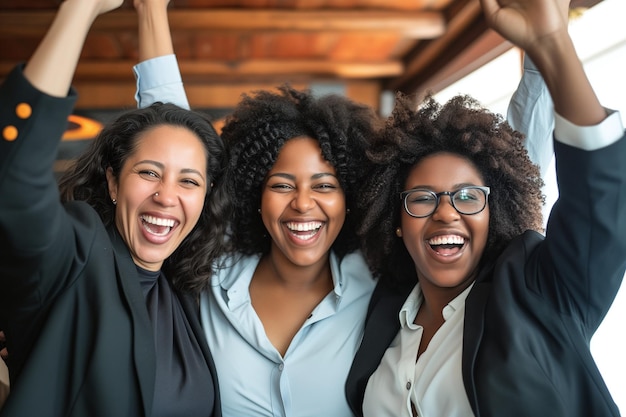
(463, 127)
(255, 133)
(190, 267)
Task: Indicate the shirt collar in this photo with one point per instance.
(237, 274)
(411, 306)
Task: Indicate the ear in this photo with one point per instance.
(111, 183)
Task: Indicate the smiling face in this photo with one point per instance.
(170, 161)
(446, 246)
(302, 204)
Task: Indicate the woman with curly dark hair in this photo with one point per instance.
(98, 288)
(289, 304)
(475, 312)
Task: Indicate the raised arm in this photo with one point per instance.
(531, 112)
(51, 67)
(540, 27)
(582, 255)
(157, 74)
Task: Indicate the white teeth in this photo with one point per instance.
(305, 237)
(303, 227)
(158, 221)
(447, 240)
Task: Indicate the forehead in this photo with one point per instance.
(170, 144)
(302, 154)
(443, 171)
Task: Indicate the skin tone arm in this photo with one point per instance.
(540, 28)
(51, 67)
(154, 30)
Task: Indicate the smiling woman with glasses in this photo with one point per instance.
(476, 313)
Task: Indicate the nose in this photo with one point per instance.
(303, 201)
(166, 194)
(445, 211)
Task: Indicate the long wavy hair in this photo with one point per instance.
(190, 267)
(461, 127)
(255, 133)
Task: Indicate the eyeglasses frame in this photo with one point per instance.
(404, 194)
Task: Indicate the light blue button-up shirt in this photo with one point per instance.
(254, 379)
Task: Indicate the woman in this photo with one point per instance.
(475, 313)
(97, 292)
(290, 302)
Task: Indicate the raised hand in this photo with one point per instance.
(528, 23)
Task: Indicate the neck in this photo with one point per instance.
(274, 269)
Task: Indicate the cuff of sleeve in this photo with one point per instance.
(589, 138)
(155, 72)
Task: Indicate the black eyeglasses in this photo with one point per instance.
(421, 202)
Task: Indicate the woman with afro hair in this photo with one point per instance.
(475, 312)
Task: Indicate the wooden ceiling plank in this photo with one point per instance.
(121, 70)
(456, 27)
(423, 25)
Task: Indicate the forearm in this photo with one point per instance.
(157, 74)
(570, 89)
(154, 31)
(51, 68)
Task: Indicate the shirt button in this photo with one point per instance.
(281, 367)
(408, 385)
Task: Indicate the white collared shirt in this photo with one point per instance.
(433, 384)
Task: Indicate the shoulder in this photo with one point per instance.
(352, 273)
(234, 270)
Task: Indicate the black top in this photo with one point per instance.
(183, 385)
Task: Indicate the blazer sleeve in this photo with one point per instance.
(34, 227)
(582, 260)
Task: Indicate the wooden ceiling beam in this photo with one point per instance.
(420, 60)
(121, 70)
(422, 25)
(467, 45)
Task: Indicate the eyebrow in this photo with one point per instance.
(162, 166)
(454, 187)
(293, 177)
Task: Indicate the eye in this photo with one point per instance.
(468, 194)
(148, 174)
(190, 182)
(421, 197)
(325, 187)
(281, 187)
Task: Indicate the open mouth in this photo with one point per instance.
(304, 230)
(447, 245)
(157, 226)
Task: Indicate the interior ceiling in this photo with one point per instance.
(230, 46)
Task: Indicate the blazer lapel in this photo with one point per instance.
(473, 328)
(381, 326)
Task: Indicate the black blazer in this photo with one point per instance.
(531, 313)
(77, 325)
